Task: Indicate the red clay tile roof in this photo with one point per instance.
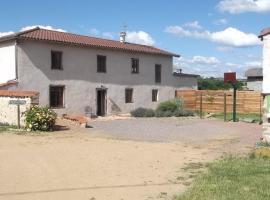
(69, 38)
(11, 82)
(17, 93)
(264, 32)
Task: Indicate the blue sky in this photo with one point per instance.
(212, 36)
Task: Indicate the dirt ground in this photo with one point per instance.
(102, 163)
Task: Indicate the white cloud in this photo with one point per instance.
(221, 22)
(5, 33)
(224, 49)
(204, 60)
(109, 35)
(42, 26)
(139, 37)
(193, 25)
(242, 6)
(210, 66)
(236, 38)
(94, 31)
(254, 64)
(229, 37)
(181, 32)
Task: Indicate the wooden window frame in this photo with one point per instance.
(158, 73)
(62, 104)
(155, 95)
(101, 67)
(129, 99)
(53, 62)
(135, 65)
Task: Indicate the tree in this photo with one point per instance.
(216, 84)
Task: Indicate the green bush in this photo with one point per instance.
(165, 109)
(149, 113)
(143, 112)
(39, 118)
(171, 105)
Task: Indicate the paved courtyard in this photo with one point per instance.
(116, 159)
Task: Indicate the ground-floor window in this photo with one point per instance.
(154, 95)
(57, 96)
(129, 95)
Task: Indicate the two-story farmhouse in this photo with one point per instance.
(78, 74)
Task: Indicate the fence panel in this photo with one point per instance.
(213, 100)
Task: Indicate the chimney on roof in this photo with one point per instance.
(123, 37)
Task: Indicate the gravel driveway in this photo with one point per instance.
(174, 129)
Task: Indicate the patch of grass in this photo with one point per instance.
(262, 144)
(254, 116)
(4, 128)
(232, 178)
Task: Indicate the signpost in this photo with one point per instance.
(18, 102)
(230, 77)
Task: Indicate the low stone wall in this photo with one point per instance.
(9, 112)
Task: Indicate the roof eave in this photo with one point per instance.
(14, 36)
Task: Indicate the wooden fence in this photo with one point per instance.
(212, 101)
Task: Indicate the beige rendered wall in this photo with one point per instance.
(80, 77)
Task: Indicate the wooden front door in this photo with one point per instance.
(101, 102)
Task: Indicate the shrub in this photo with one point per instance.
(39, 118)
(171, 105)
(167, 113)
(143, 112)
(187, 113)
(149, 113)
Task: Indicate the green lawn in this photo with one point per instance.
(232, 179)
(254, 116)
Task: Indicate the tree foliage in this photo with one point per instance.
(216, 84)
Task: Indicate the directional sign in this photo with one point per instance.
(17, 102)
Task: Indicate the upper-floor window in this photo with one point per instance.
(158, 73)
(57, 96)
(129, 95)
(56, 60)
(101, 64)
(134, 65)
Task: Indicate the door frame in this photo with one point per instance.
(105, 100)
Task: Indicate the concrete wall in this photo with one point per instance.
(7, 62)
(266, 64)
(8, 113)
(80, 77)
(254, 85)
(266, 86)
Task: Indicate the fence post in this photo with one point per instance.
(234, 102)
(260, 109)
(225, 107)
(201, 106)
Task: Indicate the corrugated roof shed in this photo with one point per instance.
(254, 72)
